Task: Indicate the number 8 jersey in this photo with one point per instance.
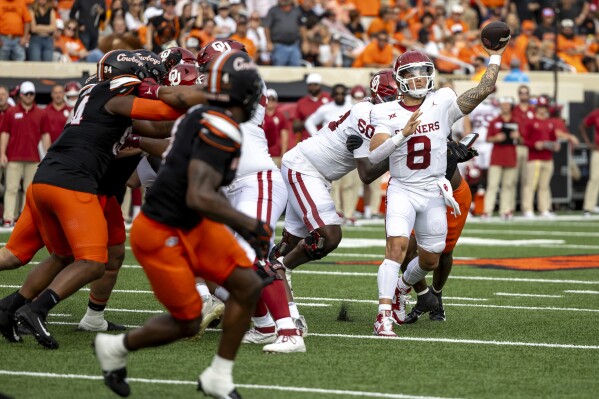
(422, 158)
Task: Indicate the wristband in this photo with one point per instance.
(398, 139)
(495, 59)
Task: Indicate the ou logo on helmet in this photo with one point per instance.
(221, 47)
(374, 85)
(174, 76)
(164, 55)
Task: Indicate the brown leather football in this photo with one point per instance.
(495, 35)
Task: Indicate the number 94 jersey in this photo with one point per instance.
(326, 150)
(422, 158)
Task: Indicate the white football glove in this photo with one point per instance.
(447, 192)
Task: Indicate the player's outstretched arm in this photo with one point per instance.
(175, 96)
(369, 172)
(141, 108)
(471, 98)
(383, 144)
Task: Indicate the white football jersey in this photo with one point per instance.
(326, 151)
(254, 150)
(325, 114)
(422, 158)
(481, 116)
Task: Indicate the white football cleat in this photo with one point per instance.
(398, 306)
(217, 385)
(212, 309)
(112, 356)
(300, 324)
(288, 341)
(383, 325)
(260, 335)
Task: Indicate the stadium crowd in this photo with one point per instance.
(331, 33)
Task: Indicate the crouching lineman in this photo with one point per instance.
(182, 222)
(418, 192)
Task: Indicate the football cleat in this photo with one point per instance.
(424, 303)
(288, 341)
(300, 324)
(398, 305)
(437, 314)
(217, 386)
(212, 310)
(36, 324)
(113, 363)
(260, 335)
(8, 326)
(383, 325)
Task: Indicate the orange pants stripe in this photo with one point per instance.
(71, 222)
(455, 225)
(172, 258)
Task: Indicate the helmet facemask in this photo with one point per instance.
(410, 73)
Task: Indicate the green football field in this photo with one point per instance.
(525, 327)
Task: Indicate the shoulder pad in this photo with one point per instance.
(220, 131)
(124, 84)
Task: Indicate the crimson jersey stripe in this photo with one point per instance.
(299, 199)
(269, 194)
(260, 196)
(310, 201)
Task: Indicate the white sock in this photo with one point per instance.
(424, 291)
(202, 289)
(286, 323)
(383, 307)
(221, 293)
(263, 321)
(414, 273)
(402, 286)
(387, 278)
(367, 212)
(435, 291)
(94, 313)
(293, 310)
(222, 367)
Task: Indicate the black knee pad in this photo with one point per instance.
(313, 246)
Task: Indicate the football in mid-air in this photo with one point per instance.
(495, 35)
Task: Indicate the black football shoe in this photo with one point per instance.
(36, 324)
(9, 326)
(424, 303)
(437, 314)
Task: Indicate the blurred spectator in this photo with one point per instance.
(206, 34)
(479, 68)
(470, 17)
(533, 56)
(429, 31)
(260, 7)
(225, 25)
(64, 8)
(282, 28)
(575, 10)
(503, 171)
(570, 47)
(4, 105)
(455, 18)
(592, 190)
(258, 36)
(275, 128)
(541, 139)
(525, 9)
(309, 18)
(55, 114)
(153, 9)
(355, 24)
(516, 74)
(70, 44)
(330, 52)
(526, 36)
(546, 29)
(522, 113)
(21, 132)
(119, 39)
(308, 104)
(330, 111)
(384, 22)
(377, 54)
(241, 36)
(193, 44)
(163, 30)
(207, 10)
(236, 9)
(43, 25)
(135, 19)
(403, 40)
(334, 24)
(368, 8)
(15, 24)
(118, 9)
(88, 14)
(188, 8)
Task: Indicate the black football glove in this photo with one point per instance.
(259, 238)
(353, 142)
(459, 150)
(265, 272)
(471, 154)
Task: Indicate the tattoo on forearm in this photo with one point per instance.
(471, 98)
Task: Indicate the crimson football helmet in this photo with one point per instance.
(183, 75)
(413, 65)
(175, 56)
(71, 92)
(383, 86)
(214, 49)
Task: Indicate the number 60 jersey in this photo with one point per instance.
(326, 151)
(422, 158)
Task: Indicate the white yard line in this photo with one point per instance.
(306, 298)
(559, 309)
(582, 292)
(527, 295)
(342, 392)
(532, 233)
